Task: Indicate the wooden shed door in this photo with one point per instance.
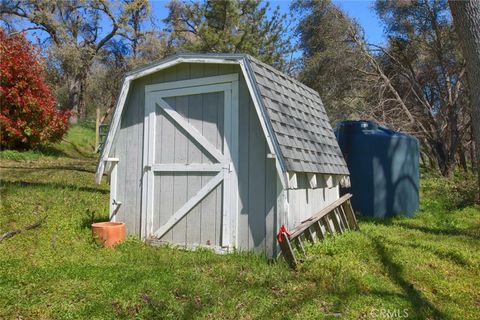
(190, 188)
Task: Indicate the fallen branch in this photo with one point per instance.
(11, 233)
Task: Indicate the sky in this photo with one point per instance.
(360, 10)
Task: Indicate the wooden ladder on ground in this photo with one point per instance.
(337, 217)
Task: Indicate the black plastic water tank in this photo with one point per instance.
(384, 169)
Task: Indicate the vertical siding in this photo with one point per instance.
(257, 223)
(129, 149)
(258, 207)
(202, 224)
(305, 201)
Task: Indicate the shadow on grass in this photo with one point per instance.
(52, 185)
(473, 232)
(48, 150)
(444, 255)
(470, 232)
(90, 217)
(67, 168)
(421, 306)
(77, 149)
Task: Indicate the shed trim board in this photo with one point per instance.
(170, 62)
(185, 125)
(175, 133)
(227, 161)
(114, 205)
(223, 79)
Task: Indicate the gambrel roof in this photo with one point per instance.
(291, 114)
(300, 123)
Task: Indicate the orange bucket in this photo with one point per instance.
(108, 234)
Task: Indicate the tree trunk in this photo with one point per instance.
(77, 85)
(466, 19)
(73, 94)
(462, 157)
(472, 153)
(82, 105)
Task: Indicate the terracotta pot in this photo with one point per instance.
(108, 234)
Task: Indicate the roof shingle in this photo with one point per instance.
(299, 121)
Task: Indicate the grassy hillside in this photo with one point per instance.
(428, 267)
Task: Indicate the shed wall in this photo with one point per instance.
(257, 222)
(304, 201)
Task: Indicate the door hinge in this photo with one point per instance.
(116, 203)
(228, 167)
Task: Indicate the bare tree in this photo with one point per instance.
(466, 18)
(417, 82)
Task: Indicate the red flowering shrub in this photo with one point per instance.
(28, 114)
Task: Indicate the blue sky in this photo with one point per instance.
(360, 10)
(364, 14)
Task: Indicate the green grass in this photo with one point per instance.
(428, 265)
(78, 143)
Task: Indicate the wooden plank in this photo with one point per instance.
(120, 152)
(148, 156)
(309, 235)
(328, 226)
(256, 186)
(292, 180)
(234, 197)
(192, 131)
(144, 232)
(300, 246)
(139, 143)
(165, 201)
(312, 180)
(194, 90)
(196, 181)
(227, 182)
(219, 121)
(113, 130)
(350, 214)
(287, 251)
(271, 215)
(164, 153)
(196, 104)
(305, 224)
(178, 60)
(180, 156)
(208, 221)
(131, 125)
(339, 219)
(334, 219)
(195, 82)
(180, 213)
(318, 230)
(244, 166)
(189, 167)
(344, 217)
(113, 193)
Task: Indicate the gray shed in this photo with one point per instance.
(218, 151)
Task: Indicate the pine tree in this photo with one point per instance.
(229, 26)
